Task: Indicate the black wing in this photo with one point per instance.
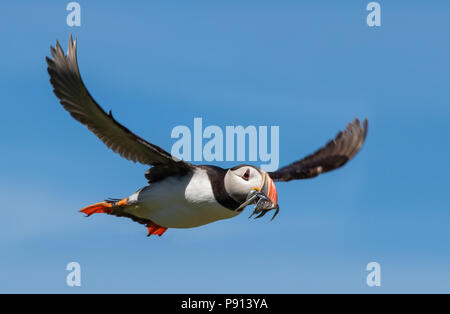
(332, 156)
(73, 95)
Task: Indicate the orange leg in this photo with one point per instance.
(108, 208)
(103, 207)
(155, 229)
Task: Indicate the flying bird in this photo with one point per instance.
(180, 194)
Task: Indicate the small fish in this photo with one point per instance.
(263, 204)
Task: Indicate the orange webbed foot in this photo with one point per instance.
(155, 229)
(103, 207)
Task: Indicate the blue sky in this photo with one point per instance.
(307, 67)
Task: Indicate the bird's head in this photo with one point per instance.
(248, 184)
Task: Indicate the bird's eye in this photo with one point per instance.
(246, 175)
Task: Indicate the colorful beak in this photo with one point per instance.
(268, 199)
(264, 197)
(270, 190)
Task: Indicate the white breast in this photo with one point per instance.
(180, 202)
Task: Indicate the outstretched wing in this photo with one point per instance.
(73, 95)
(332, 156)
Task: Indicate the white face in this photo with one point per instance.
(239, 182)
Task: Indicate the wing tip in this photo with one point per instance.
(354, 134)
(360, 138)
(58, 53)
(365, 126)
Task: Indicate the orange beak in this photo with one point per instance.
(264, 197)
(270, 190)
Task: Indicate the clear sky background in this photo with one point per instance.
(309, 67)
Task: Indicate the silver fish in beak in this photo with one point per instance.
(264, 197)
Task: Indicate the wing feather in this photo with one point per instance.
(333, 155)
(76, 99)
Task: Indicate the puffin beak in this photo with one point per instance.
(270, 190)
(264, 197)
(267, 198)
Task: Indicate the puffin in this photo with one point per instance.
(180, 194)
